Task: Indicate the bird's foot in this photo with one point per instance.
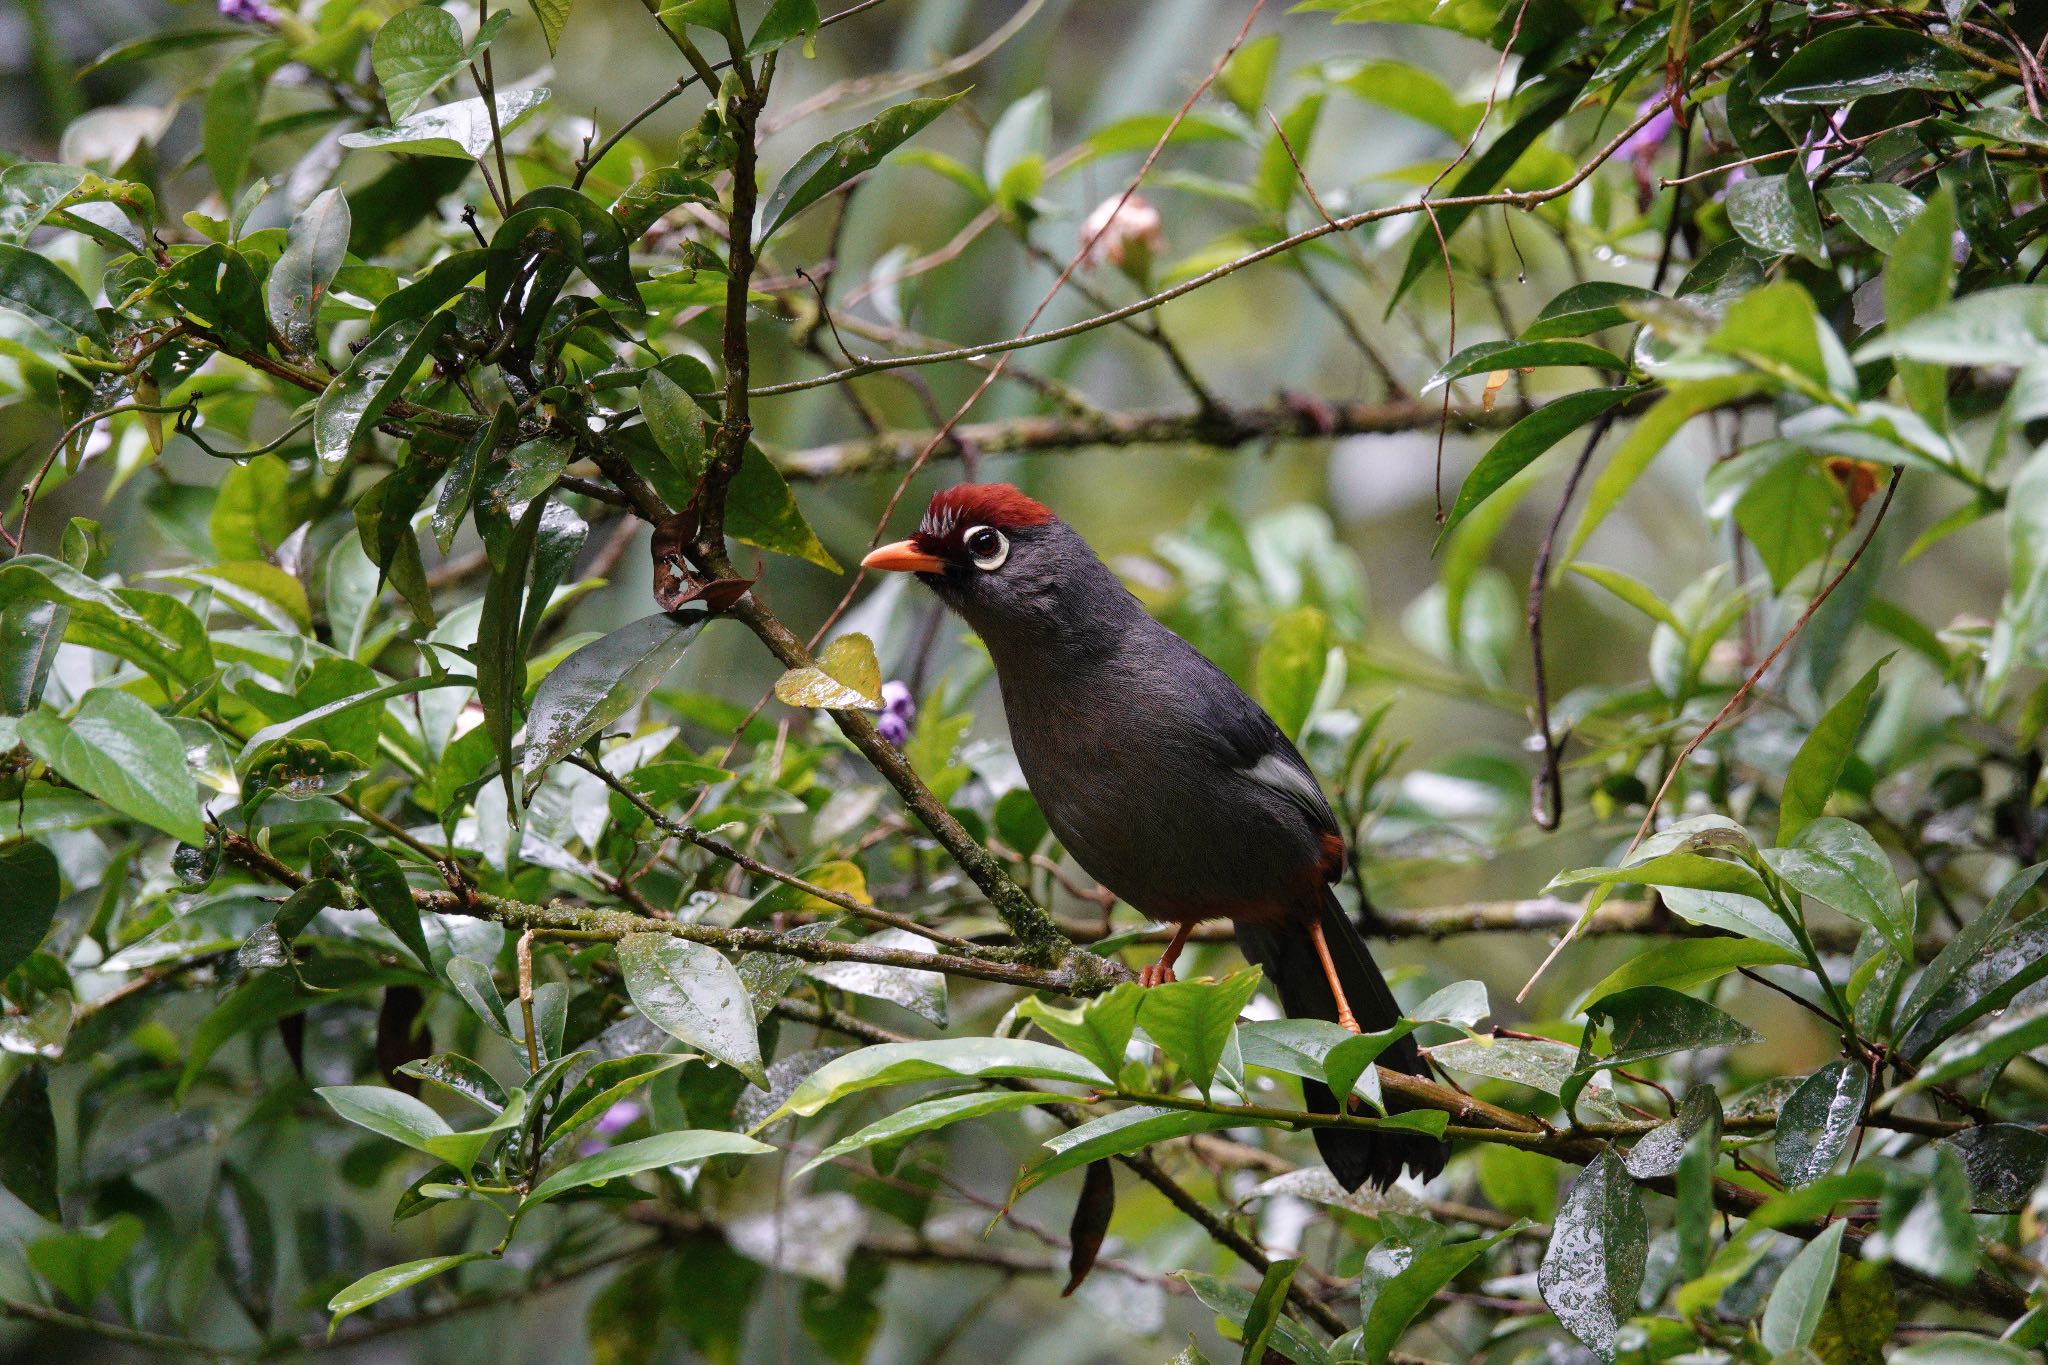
(1348, 1020)
(1159, 974)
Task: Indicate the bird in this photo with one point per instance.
(1162, 779)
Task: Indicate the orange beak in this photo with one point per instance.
(903, 557)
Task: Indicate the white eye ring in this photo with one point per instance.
(993, 559)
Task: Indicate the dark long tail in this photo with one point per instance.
(1288, 955)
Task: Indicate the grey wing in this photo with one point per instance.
(1254, 746)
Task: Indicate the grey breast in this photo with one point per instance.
(1145, 795)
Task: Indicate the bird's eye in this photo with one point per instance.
(986, 546)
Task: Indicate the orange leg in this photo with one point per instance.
(1344, 1014)
(1161, 972)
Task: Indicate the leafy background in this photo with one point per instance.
(212, 1141)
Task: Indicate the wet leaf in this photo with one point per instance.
(33, 285)
(695, 995)
(315, 251)
(647, 1154)
(938, 1060)
(373, 381)
(28, 1142)
(30, 884)
(1594, 1263)
(922, 993)
(2005, 1162)
(1192, 1021)
(119, 750)
(848, 677)
(462, 129)
(832, 163)
(1819, 1120)
(601, 682)
(927, 1116)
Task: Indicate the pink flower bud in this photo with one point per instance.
(1126, 232)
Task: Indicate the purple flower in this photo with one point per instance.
(899, 709)
(1644, 143)
(248, 11)
(613, 1120)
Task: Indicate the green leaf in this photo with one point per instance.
(461, 130)
(940, 1059)
(1489, 356)
(1400, 1299)
(1817, 767)
(403, 1119)
(1685, 963)
(1876, 211)
(30, 632)
(1839, 864)
(1789, 512)
(1586, 308)
(1099, 1029)
(601, 682)
(603, 1086)
(1598, 1248)
(33, 285)
(1792, 1313)
(1631, 591)
(315, 250)
(554, 17)
(927, 1116)
(2005, 1163)
(1292, 661)
(120, 751)
(1191, 1021)
(1865, 61)
(1981, 969)
(1481, 176)
(382, 1284)
(1777, 214)
(500, 648)
(28, 1141)
(1693, 871)
(39, 578)
(1654, 1021)
(1519, 446)
(374, 379)
(1268, 1303)
(1234, 1307)
(1919, 278)
(413, 53)
(1926, 1225)
(1652, 433)
(1997, 1042)
(1818, 1121)
(832, 163)
(786, 19)
(760, 511)
(1123, 1130)
(29, 192)
(648, 1154)
(246, 1243)
(30, 884)
(378, 879)
(465, 1077)
(232, 120)
(605, 255)
(692, 993)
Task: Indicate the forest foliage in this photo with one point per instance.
(370, 862)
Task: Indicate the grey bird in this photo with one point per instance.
(1162, 779)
